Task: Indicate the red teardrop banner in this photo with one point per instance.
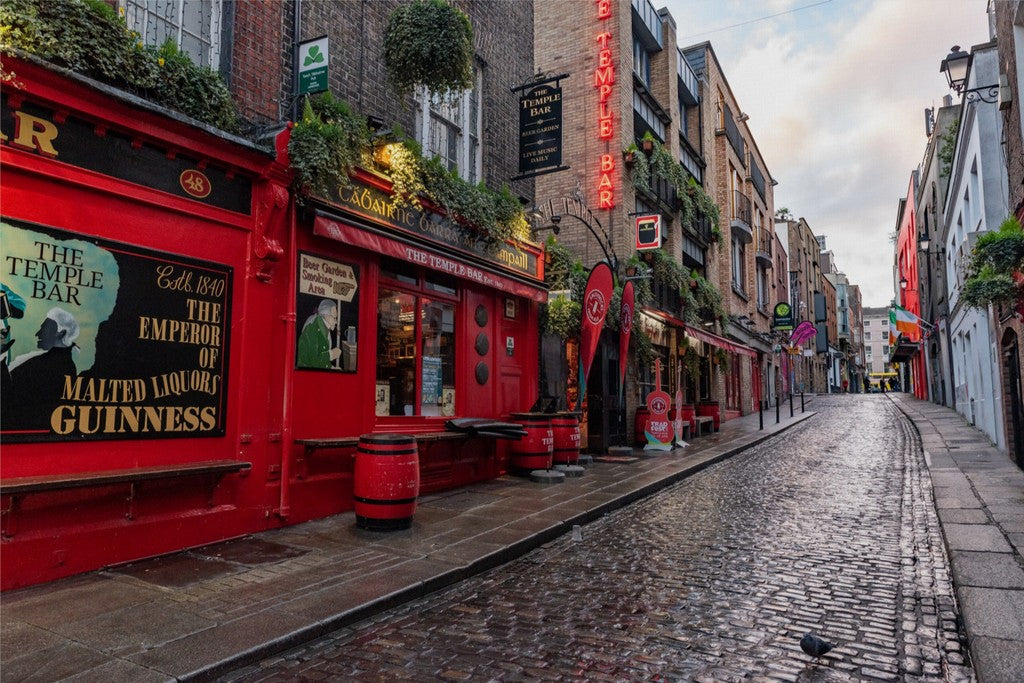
(625, 327)
(595, 307)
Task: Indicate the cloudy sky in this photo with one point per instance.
(836, 92)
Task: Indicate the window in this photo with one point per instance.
(192, 25)
(885, 335)
(867, 336)
(739, 265)
(450, 128)
(641, 62)
(415, 345)
(762, 289)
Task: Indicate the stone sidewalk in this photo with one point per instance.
(979, 495)
(195, 614)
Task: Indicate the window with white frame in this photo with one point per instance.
(192, 25)
(449, 128)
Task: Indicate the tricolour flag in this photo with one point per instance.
(905, 323)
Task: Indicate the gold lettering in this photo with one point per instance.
(32, 132)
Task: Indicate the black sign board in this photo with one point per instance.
(540, 129)
(77, 142)
(782, 316)
(104, 340)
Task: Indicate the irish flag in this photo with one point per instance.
(903, 322)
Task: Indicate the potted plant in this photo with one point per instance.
(647, 143)
(429, 43)
(629, 155)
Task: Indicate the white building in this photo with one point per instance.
(977, 201)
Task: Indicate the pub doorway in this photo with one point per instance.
(606, 413)
(1011, 361)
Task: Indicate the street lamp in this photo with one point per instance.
(903, 283)
(924, 242)
(955, 66)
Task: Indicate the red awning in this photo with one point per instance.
(713, 339)
(413, 253)
(720, 342)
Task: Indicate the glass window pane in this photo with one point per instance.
(438, 332)
(397, 270)
(396, 353)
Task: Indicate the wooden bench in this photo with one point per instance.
(17, 487)
(705, 424)
(311, 446)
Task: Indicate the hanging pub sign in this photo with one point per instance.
(782, 316)
(540, 129)
(648, 232)
(103, 340)
(312, 66)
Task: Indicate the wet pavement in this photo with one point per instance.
(829, 528)
(731, 549)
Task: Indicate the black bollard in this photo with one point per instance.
(760, 415)
(801, 401)
(776, 409)
(791, 404)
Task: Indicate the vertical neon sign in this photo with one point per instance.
(604, 77)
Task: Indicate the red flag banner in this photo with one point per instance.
(595, 307)
(625, 327)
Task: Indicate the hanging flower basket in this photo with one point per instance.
(629, 158)
(647, 146)
(429, 43)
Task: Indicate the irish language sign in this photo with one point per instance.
(102, 340)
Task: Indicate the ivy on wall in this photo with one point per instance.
(90, 38)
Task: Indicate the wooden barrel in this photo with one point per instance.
(710, 408)
(565, 427)
(386, 481)
(643, 414)
(533, 451)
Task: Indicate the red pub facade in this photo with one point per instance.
(179, 330)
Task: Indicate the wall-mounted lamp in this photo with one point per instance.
(743, 116)
(955, 67)
(903, 283)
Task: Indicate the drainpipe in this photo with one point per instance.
(288, 367)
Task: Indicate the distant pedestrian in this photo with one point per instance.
(867, 385)
(882, 383)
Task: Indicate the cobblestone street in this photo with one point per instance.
(829, 528)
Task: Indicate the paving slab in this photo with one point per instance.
(986, 570)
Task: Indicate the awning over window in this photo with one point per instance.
(903, 352)
(701, 335)
(408, 250)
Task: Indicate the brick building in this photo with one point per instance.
(806, 296)
(627, 79)
(1009, 22)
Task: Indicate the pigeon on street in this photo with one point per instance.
(814, 646)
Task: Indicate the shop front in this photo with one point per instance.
(403, 321)
(177, 332)
(136, 248)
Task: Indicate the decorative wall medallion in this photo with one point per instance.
(481, 315)
(482, 373)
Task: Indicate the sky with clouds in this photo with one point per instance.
(836, 92)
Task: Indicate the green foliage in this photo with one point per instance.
(1002, 249)
(947, 147)
(429, 43)
(996, 263)
(989, 287)
(326, 143)
(722, 358)
(708, 304)
(88, 37)
(642, 344)
(691, 362)
(562, 318)
(691, 196)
